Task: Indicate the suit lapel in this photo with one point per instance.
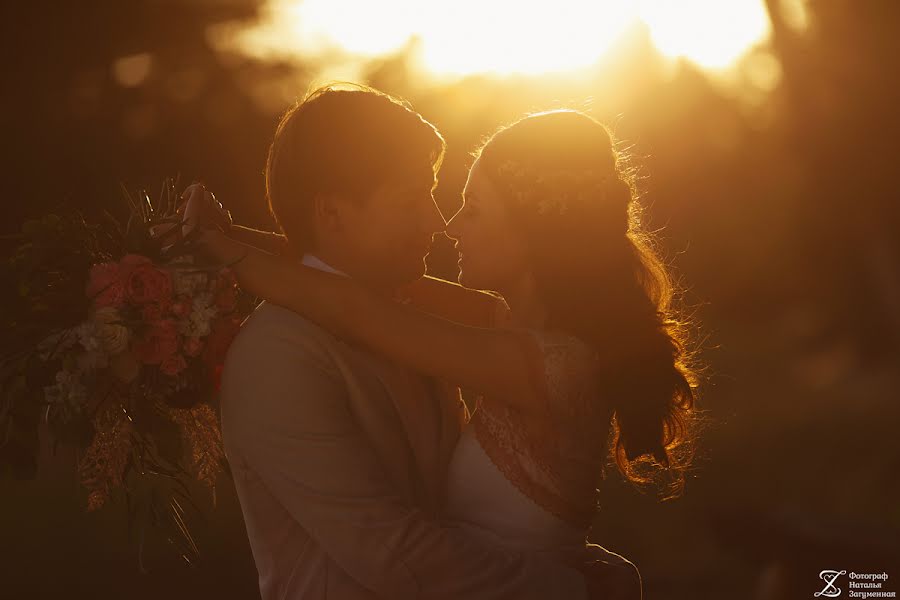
(371, 400)
(420, 410)
(430, 412)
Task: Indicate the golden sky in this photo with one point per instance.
(502, 37)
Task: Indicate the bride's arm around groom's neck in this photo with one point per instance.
(268, 241)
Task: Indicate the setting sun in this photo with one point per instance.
(501, 37)
(709, 33)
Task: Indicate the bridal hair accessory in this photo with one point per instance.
(553, 191)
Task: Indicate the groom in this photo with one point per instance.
(339, 457)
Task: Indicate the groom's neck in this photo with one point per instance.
(359, 271)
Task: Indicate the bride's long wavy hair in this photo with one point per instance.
(597, 270)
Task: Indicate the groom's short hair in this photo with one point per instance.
(343, 140)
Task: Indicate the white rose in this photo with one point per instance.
(199, 323)
(188, 282)
(200, 328)
(87, 336)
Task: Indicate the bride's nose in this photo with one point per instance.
(453, 229)
(432, 218)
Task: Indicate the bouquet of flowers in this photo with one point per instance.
(115, 339)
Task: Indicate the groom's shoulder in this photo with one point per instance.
(279, 364)
(267, 316)
(271, 324)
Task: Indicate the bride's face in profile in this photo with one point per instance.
(491, 252)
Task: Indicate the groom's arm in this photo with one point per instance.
(299, 437)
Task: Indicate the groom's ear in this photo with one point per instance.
(327, 211)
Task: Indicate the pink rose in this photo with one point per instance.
(182, 306)
(173, 364)
(146, 283)
(151, 313)
(226, 291)
(158, 343)
(226, 300)
(130, 261)
(104, 285)
(192, 346)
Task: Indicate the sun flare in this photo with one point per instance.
(502, 36)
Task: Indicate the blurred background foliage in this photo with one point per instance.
(772, 179)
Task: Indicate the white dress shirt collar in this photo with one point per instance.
(315, 262)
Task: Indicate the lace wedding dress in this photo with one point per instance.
(531, 482)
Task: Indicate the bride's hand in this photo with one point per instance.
(201, 209)
(208, 221)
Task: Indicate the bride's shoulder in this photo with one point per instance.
(558, 345)
(567, 364)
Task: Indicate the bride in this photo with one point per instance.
(591, 367)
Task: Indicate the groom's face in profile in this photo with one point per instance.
(349, 178)
(384, 236)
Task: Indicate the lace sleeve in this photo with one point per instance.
(563, 369)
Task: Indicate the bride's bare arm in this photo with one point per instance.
(492, 361)
(271, 242)
(199, 206)
(454, 302)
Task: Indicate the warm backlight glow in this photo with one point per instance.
(501, 36)
(711, 33)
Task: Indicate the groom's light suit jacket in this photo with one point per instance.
(339, 459)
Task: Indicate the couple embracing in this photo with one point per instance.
(360, 471)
